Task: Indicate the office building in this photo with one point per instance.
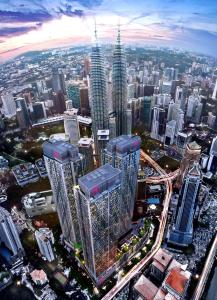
(39, 111)
(85, 146)
(45, 241)
(170, 132)
(214, 95)
(73, 93)
(9, 106)
(182, 140)
(58, 81)
(192, 154)
(212, 163)
(100, 215)
(182, 232)
(84, 101)
(158, 123)
(123, 153)
(22, 113)
(4, 163)
(9, 236)
(64, 166)
(119, 87)
(98, 99)
(71, 125)
(59, 103)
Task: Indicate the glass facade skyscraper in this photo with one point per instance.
(182, 232)
(100, 214)
(119, 87)
(123, 153)
(64, 166)
(98, 98)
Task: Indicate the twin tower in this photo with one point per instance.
(116, 122)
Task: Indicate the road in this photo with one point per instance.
(138, 267)
(206, 270)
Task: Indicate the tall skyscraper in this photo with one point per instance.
(100, 213)
(22, 113)
(9, 235)
(59, 102)
(182, 233)
(98, 97)
(192, 154)
(71, 125)
(85, 146)
(119, 87)
(212, 163)
(158, 123)
(58, 81)
(9, 106)
(123, 153)
(64, 166)
(45, 241)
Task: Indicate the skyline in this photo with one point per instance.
(188, 25)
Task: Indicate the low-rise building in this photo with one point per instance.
(25, 173)
(40, 165)
(39, 277)
(39, 203)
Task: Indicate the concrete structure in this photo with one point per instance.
(182, 232)
(36, 204)
(214, 95)
(170, 132)
(123, 153)
(101, 207)
(25, 173)
(22, 113)
(45, 241)
(71, 125)
(3, 163)
(58, 81)
(64, 166)
(39, 277)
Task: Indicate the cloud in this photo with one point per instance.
(11, 31)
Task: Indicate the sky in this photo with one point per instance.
(42, 24)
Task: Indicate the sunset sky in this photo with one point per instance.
(41, 24)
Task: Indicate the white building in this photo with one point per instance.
(71, 125)
(214, 95)
(45, 240)
(170, 132)
(36, 204)
(9, 106)
(9, 235)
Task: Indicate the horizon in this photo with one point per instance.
(43, 26)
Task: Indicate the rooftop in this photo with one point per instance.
(124, 144)
(194, 146)
(162, 259)
(146, 288)
(177, 280)
(60, 151)
(99, 180)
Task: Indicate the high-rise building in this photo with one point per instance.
(98, 98)
(182, 232)
(9, 106)
(214, 95)
(9, 236)
(158, 123)
(192, 154)
(39, 111)
(73, 93)
(212, 163)
(58, 81)
(59, 102)
(84, 101)
(85, 146)
(170, 132)
(100, 215)
(22, 113)
(64, 166)
(119, 86)
(71, 125)
(45, 241)
(123, 153)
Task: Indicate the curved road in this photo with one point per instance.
(134, 271)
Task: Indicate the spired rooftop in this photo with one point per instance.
(124, 144)
(96, 182)
(60, 151)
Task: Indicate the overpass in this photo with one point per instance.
(163, 219)
(81, 120)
